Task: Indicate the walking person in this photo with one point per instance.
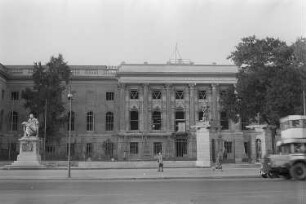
(160, 162)
(219, 161)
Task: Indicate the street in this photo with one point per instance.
(211, 191)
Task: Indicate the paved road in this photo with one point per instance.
(193, 191)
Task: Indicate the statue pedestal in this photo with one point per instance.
(29, 154)
(203, 145)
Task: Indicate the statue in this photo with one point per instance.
(31, 127)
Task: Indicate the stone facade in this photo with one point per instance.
(136, 110)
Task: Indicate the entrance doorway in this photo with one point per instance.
(181, 147)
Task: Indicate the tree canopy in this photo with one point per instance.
(50, 81)
(269, 81)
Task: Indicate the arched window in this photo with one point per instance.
(109, 126)
(72, 121)
(90, 121)
(134, 120)
(156, 120)
(13, 121)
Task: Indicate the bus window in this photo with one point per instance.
(304, 123)
(285, 125)
(296, 123)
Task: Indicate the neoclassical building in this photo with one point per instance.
(134, 111)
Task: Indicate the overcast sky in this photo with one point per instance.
(107, 32)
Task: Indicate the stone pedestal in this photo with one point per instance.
(29, 156)
(203, 145)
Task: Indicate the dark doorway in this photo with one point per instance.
(213, 150)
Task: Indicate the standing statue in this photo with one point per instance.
(31, 127)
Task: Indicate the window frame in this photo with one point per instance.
(109, 121)
(109, 96)
(156, 94)
(90, 121)
(134, 123)
(134, 148)
(134, 94)
(179, 94)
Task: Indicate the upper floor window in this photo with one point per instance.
(2, 94)
(14, 95)
(156, 94)
(13, 121)
(224, 120)
(134, 94)
(179, 94)
(109, 126)
(156, 120)
(90, 121)
(202, 94)
(109, 96)
(1, 118)
(134, 120)
(71, 122)
(180, 121)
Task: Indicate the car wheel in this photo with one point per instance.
(298, 171)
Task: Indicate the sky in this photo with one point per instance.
(108, 32)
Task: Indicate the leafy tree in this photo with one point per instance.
(269, 81)
(49, 83)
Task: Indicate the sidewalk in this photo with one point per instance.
(131, 174)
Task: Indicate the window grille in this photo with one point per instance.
(109, 121)
(156, 94)
(134, 148)
(202, 95)
(134, 94)
(179, 94)
(109, 96)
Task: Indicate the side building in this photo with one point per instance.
(134, 111)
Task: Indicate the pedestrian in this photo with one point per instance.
(160, 162)
(218, 164)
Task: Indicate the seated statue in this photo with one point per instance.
(31, 127)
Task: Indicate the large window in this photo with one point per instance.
(14, 95)
(180, 121)
(228, 147)
(72, 151)
(1, 118)
(13, 121)
(72, 121)
(90, 121)
(179, 94)
(89, 149)
(109, 96)
(109, 126)
(2, 94)
(157, 147)
(224, 121)
(156, 94)
(156, 120)
(134, 94)
(134, 120)
(134, 148)
(202, 94)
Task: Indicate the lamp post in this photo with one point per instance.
(69, 129)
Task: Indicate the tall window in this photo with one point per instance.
(90, 121)
(157, 147)
(156, 94)
(72, 121)
(202, 94)
(1, 118)
(2, 94)
(14, 95)
(201, 114)
(228, 147)
(72, 150)
(109, 96)
(134, 94)
(134, 148)
(179, 94)
(134, 120)
(109, 121)
(13, 121)
(89, 149)
(224, 120)
(180, 121)
(156, 120)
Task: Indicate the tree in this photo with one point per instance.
(269, 81)
(49, 83)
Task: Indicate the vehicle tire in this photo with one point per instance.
(298, 171)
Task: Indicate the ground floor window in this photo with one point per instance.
(181, 147)
(228, 147)
(89, 149)
(71, 149)
(134, 148)
(157, 147)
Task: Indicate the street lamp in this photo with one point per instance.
(69, 129)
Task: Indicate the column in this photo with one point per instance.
(145, 120)
(127, 109)
(192, 104)
(122, 107)
(168, 105)
(214, 105)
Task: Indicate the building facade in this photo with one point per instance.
(132, 112)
